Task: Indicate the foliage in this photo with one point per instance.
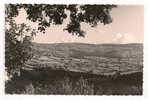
(67, 85)
(45, 15)
(17, 45)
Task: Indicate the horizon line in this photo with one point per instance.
(85, 43)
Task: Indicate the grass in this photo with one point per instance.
(65, 84)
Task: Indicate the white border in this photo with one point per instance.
(2, 37)
(39, 97)
(77, 1)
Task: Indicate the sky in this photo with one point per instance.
(127, 27)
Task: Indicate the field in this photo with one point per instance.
(86, 69)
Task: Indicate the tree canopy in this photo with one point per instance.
(45, 15)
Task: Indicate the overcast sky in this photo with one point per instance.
(127, 27)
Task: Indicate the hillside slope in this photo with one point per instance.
(103, 59)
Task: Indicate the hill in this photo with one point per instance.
(88, 58)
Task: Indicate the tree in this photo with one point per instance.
(18, 44)
(45, 15)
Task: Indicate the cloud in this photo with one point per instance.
(124, 38)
